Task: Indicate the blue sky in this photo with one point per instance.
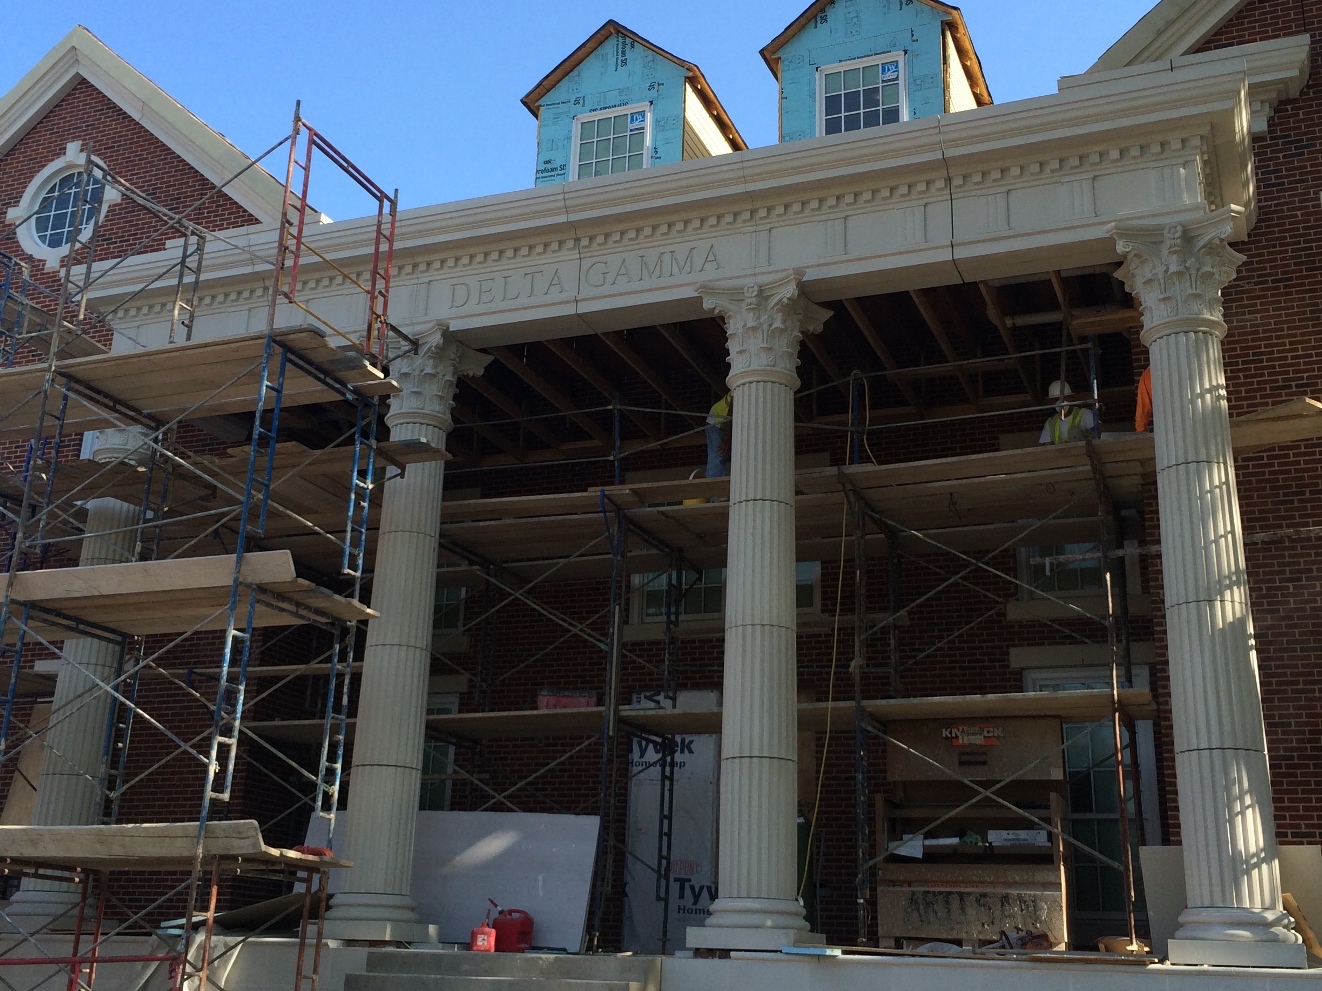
(425, 95)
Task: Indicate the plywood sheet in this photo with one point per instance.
(168, 382)
(172, 596)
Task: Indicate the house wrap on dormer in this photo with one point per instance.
(618, 104)
(850, 65)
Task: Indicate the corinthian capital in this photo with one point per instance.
(764, 322)
(1177, 270)
(428, 378)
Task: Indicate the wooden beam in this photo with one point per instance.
(884, 353)
(939, 332)
(514, 409)
(557, 398)
(616, 342)
(470, 417)
(686, 351)
(997, 316)
(838, 375)
(599, 382)
(1066, 315)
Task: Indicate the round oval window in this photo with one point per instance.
(54, 222)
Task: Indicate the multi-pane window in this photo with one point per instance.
(1050, 568)
(449, 612)
(605, 144)
(704, 592)
(54, 223)
(437, 759)
(863, 94)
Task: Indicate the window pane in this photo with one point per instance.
(853, 101)
(603, 148)
(871, 98)
(833, 82)
(635, 162)
(871, 75)
(587, 130)
(617, 165)
(585, 170)
(620, 145)
(620, 124)
(832, 105)
(851, 78)
(636, 142)
(890, 95)
(853, 122)
(833, 125)
(871, 118)
(602, 168)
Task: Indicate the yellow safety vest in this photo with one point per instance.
(1061, 427)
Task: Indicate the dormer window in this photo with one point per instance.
(864, 93)
(617, 140)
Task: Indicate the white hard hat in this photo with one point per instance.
(1059, 389)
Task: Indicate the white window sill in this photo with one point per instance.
(1093, 603)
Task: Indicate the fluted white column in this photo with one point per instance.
(757, 876)
(374, 901)
(1232, 884)
(69, 790)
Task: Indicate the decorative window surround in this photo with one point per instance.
(22, 215)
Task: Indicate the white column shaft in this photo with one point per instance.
(760, 721)
(69, 789)
(1232, 884)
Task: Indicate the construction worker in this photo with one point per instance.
(718, 437)
(1143, 411)
(1068, 423)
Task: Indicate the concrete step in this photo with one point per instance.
(456, 982)
(506, 971)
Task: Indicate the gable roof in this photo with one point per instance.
(959, 33)
(1170, 29)
(80, 55)
(533, 98)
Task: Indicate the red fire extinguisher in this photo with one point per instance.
(483, 938)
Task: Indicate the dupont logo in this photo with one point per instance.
(961, 735)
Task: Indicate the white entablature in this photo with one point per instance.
(998, 191)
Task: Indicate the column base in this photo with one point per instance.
(769, 940)
(1236, 953)
(381, 931)
(34, 908)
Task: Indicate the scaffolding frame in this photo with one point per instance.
(42, 512)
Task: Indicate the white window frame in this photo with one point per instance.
(611, 112)
(822, 70)
(439, 704)
(23, 215)
(1042, 680)
(638, 607)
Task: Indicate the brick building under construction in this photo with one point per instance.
(407, 517)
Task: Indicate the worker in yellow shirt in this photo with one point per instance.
(1068, 423)
(718, 437)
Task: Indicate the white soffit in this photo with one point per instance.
(1171, 28)
(80, 55)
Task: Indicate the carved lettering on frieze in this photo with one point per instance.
(651, 266)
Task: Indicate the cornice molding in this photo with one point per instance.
(1276, 70)
(1170, 29)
